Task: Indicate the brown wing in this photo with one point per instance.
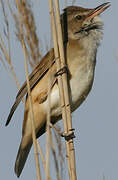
(40, 70)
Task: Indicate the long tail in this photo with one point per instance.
(21, 159)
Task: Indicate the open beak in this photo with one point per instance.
(98, 10)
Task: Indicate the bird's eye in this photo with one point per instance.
(78, 17)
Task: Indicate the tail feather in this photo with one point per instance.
(21, 159)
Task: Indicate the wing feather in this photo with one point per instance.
(37, 74)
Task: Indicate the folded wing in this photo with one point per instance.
(46, 62)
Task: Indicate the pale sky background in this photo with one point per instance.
(95, 122)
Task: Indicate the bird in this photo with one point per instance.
(82, 34)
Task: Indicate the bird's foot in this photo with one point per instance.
(61, 71)
(69, 135)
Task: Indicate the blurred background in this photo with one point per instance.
(95, 122)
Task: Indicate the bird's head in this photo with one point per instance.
(82, 21)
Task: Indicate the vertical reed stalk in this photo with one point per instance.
(48, 131)
(30, 99)
(55, 158)
(68, 126)
(42, 155)
(31, 114)
(60, 83)
(42, 158)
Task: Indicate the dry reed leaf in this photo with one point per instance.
(29, 30)
(6, 51)
(30, 36)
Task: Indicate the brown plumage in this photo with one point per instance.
(84, 34)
